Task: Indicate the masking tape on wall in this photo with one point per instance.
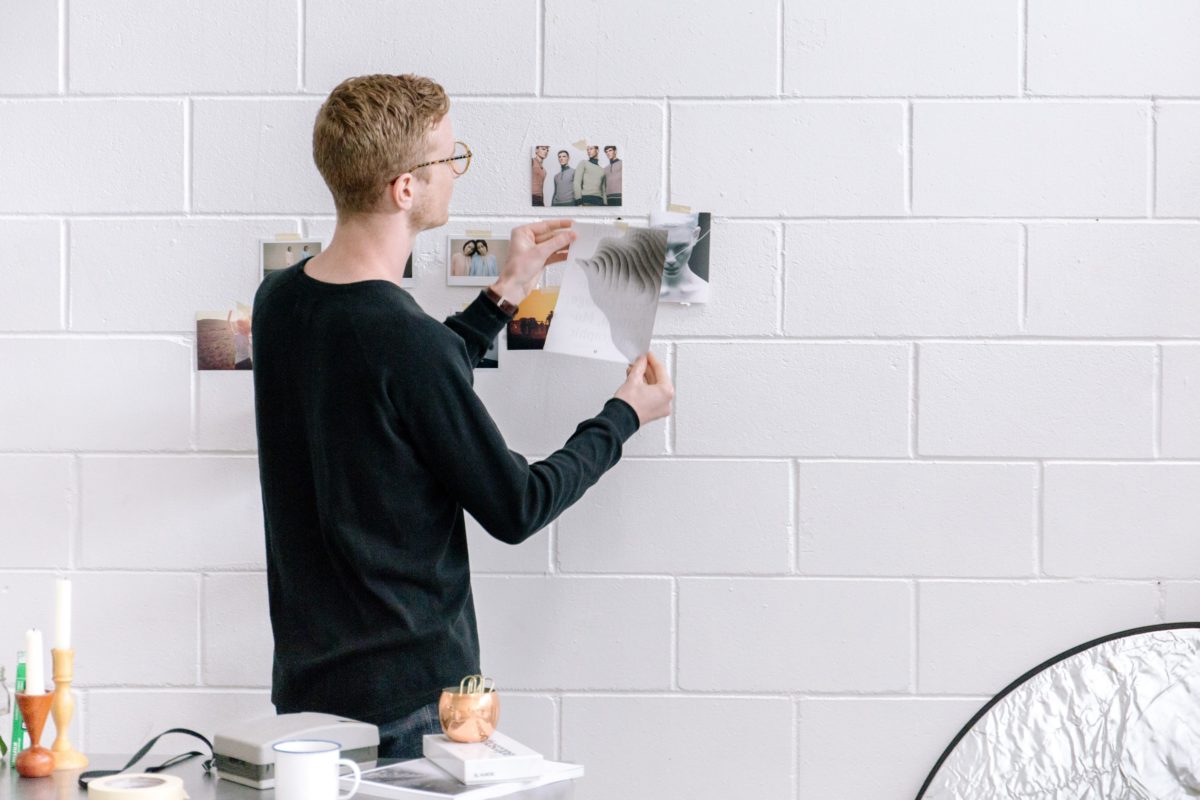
(137, 786)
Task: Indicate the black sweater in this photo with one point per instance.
(371, 442)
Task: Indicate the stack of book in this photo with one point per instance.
(494, 768)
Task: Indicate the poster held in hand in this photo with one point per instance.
(609, 293)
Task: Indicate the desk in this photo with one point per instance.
(65, 785)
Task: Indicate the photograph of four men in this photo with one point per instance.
(578, 178)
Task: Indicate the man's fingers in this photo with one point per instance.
(654, 369)
(546, 228)
(637, 370)
(559, 241)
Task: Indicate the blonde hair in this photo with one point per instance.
(369, 130)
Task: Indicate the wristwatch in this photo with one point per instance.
(504, 305)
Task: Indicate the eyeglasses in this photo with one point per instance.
(461, 153)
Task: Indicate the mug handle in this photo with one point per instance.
(357, 778)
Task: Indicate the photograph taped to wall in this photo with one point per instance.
(223, 339)
(685, 274)
(475, 262)
(528, 328)
(583, 173)
(275, 255)
(609, 294)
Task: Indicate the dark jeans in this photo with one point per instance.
(614, 199)
(590, 200)
(401, 738)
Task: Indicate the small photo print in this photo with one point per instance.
(475, 262)
(528, 328)
(275, 255)
(223, 339)
(579, 174)
(685, 274)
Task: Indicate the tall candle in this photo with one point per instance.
(62, 614)
(35, 667)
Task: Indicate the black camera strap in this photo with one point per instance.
(170, 762)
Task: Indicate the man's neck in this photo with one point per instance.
(364, 247)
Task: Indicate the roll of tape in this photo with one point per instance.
(137, 786)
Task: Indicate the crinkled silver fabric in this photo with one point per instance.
(1119, 721)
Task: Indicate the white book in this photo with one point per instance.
(499, 758)
(419, 779)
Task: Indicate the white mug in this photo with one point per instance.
(307, 769)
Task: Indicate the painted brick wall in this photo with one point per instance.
(941, 421)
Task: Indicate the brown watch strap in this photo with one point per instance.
(504, 305)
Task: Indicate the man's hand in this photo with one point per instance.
(647, 388)
(530, 249)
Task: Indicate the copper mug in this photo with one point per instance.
(470, 712)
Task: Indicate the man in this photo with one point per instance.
(539, 174)
(564, 181)
(612, 176)
(372, 441)
(589, 180)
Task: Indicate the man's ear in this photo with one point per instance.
(400, 192)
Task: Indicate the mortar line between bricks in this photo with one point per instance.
(64, 64)
(468, 217)
(759, 100)
(557, 700)
(780, 47)
(539, 78)
(1023, 54)
(994, 460)
(783, 577)
(184, 337)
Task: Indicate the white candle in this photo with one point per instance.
(35, 668)
(62, 614)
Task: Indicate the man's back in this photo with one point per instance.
(367, 560)
(371, 443)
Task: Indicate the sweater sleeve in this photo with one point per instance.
(456, 438)
(478, 325)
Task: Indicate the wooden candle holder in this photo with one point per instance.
(63, 708)
(35, 761)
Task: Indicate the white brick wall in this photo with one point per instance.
(941, 421)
